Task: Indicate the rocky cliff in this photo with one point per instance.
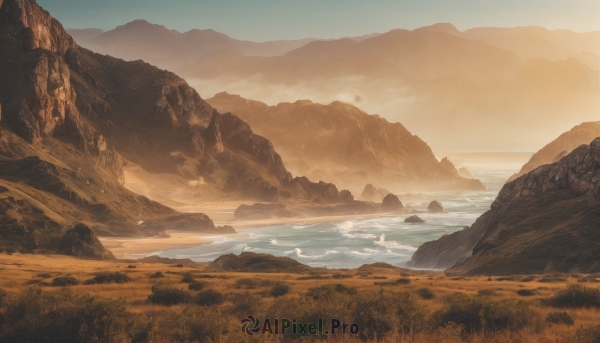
(342, 144)
(72, 120)
(544, 221)
(561, 146)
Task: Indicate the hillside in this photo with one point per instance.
(544, 221)
(561, 146)
(72, 123)
(340, 143)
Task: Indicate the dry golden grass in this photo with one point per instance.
(20, 272)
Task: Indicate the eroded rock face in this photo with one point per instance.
(435, 207)
(391, 203)
(545, 220)
(82, 241)
(346, 144)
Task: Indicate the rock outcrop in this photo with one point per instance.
(260, 263)
(414, 220)
(544, 221)
(561, 146)
(372, 193)
(82, 241)
(391, 203)
(435, 207)
(346, 146)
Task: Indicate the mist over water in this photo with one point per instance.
(351, 243)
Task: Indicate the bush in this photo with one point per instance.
(279, 289)
(327, 291)
(209, 297)
(64, 281)
(249, 283)
(557, 317)
(245, 304)
(403, 281)
(426, 293)
(525, 292)
(477, 314)
(44, 276)
(131, 266)
(168, 295)
(63, 316)
(196, 286)
(108, 278)
(589, 335)
(575, 296)
(188, 278)
(486, 292)
(157, 275)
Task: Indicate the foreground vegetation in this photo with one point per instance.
(61, 299)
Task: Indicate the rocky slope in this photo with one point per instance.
(71, 121)
(544, 221)
(561, 146)
(342, 144)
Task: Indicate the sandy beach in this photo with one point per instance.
(133, 248)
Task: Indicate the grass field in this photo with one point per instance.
(388, 304)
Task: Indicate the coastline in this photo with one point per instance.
(135, 248)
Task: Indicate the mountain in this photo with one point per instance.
(544, 221)
(339, 143)
(171, 49)
(73, 123)
(534, 41)
(561, 146)
(436, 74)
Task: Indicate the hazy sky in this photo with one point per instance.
(261, 20)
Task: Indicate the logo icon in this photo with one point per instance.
(248, 322)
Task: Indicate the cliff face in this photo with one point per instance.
(545, 220)
(564, 144)
(71, 119)
(342, 144)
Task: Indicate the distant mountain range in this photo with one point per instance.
(171, 49)
(517, 82)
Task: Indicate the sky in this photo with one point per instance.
(262, 20)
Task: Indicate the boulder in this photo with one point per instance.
(82, 241)
(414, 220)
(391, 203)
(435, 207)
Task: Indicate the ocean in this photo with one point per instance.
(352, 243)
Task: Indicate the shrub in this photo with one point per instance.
(187, 278)
(403, 281)
(44, 276)
(426, 293)
(279, 289)
(589, 335)
(327, 291)
(477, 314)
(63, 316)
(165, 294)
(486, 292)
(245, 304)
(196, 286)
(3, 295)
(131, 266)
(157, 275)
(575, 296)
(250, 283)
(209, 297)
(64, 281)
(108, 278)
(525, 292)
(557, 317)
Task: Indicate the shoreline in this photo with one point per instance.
(136, 248)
